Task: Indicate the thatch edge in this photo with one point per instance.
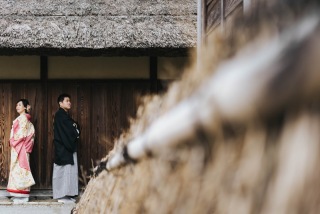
(86, 52)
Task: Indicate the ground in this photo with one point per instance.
(39, 202)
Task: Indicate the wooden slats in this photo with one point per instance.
(217, 11)
(83, 117)
(100, 120)
(231, 5)
(213, 15)
(5, 125)
(208, 2)
(101, 108)
(10, 94)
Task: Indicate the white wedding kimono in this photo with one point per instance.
(21, 142)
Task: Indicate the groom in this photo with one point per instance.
(65, 168)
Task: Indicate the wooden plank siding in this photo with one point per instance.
(213, 11)
(5, 125)
(102, 109)
(218, 12)
(231, 5)
(10, 93)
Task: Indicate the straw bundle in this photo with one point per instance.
(238, 133)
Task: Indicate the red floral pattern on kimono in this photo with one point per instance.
(21, 142)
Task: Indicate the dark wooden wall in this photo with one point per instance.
(102, 109)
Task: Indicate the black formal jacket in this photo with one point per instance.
(65, 138)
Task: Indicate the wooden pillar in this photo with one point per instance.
(43, 68)
(201, 27)
(201, 23)
(153, 74)
(223, 18)
(246, 5)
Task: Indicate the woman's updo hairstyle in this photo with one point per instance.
(26, 104)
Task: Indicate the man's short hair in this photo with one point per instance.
(62, 96)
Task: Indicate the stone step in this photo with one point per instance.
(36, 208)
(40, 202)
(33, 193)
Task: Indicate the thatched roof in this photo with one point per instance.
(97, 27)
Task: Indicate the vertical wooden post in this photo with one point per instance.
(201, 23)
(222, 15)
(43, 69)
(204, 18)
(201, 27)
(153, 74)
(247, 6)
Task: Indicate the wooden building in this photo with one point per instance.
(216, 14)
(103, 53)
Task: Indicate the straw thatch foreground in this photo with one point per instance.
(97, 27)
(238, 134)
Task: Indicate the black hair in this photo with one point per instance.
(25, 103)
(62, 96)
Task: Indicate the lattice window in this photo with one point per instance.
(216, 12)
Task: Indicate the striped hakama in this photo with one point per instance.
(65, 179)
